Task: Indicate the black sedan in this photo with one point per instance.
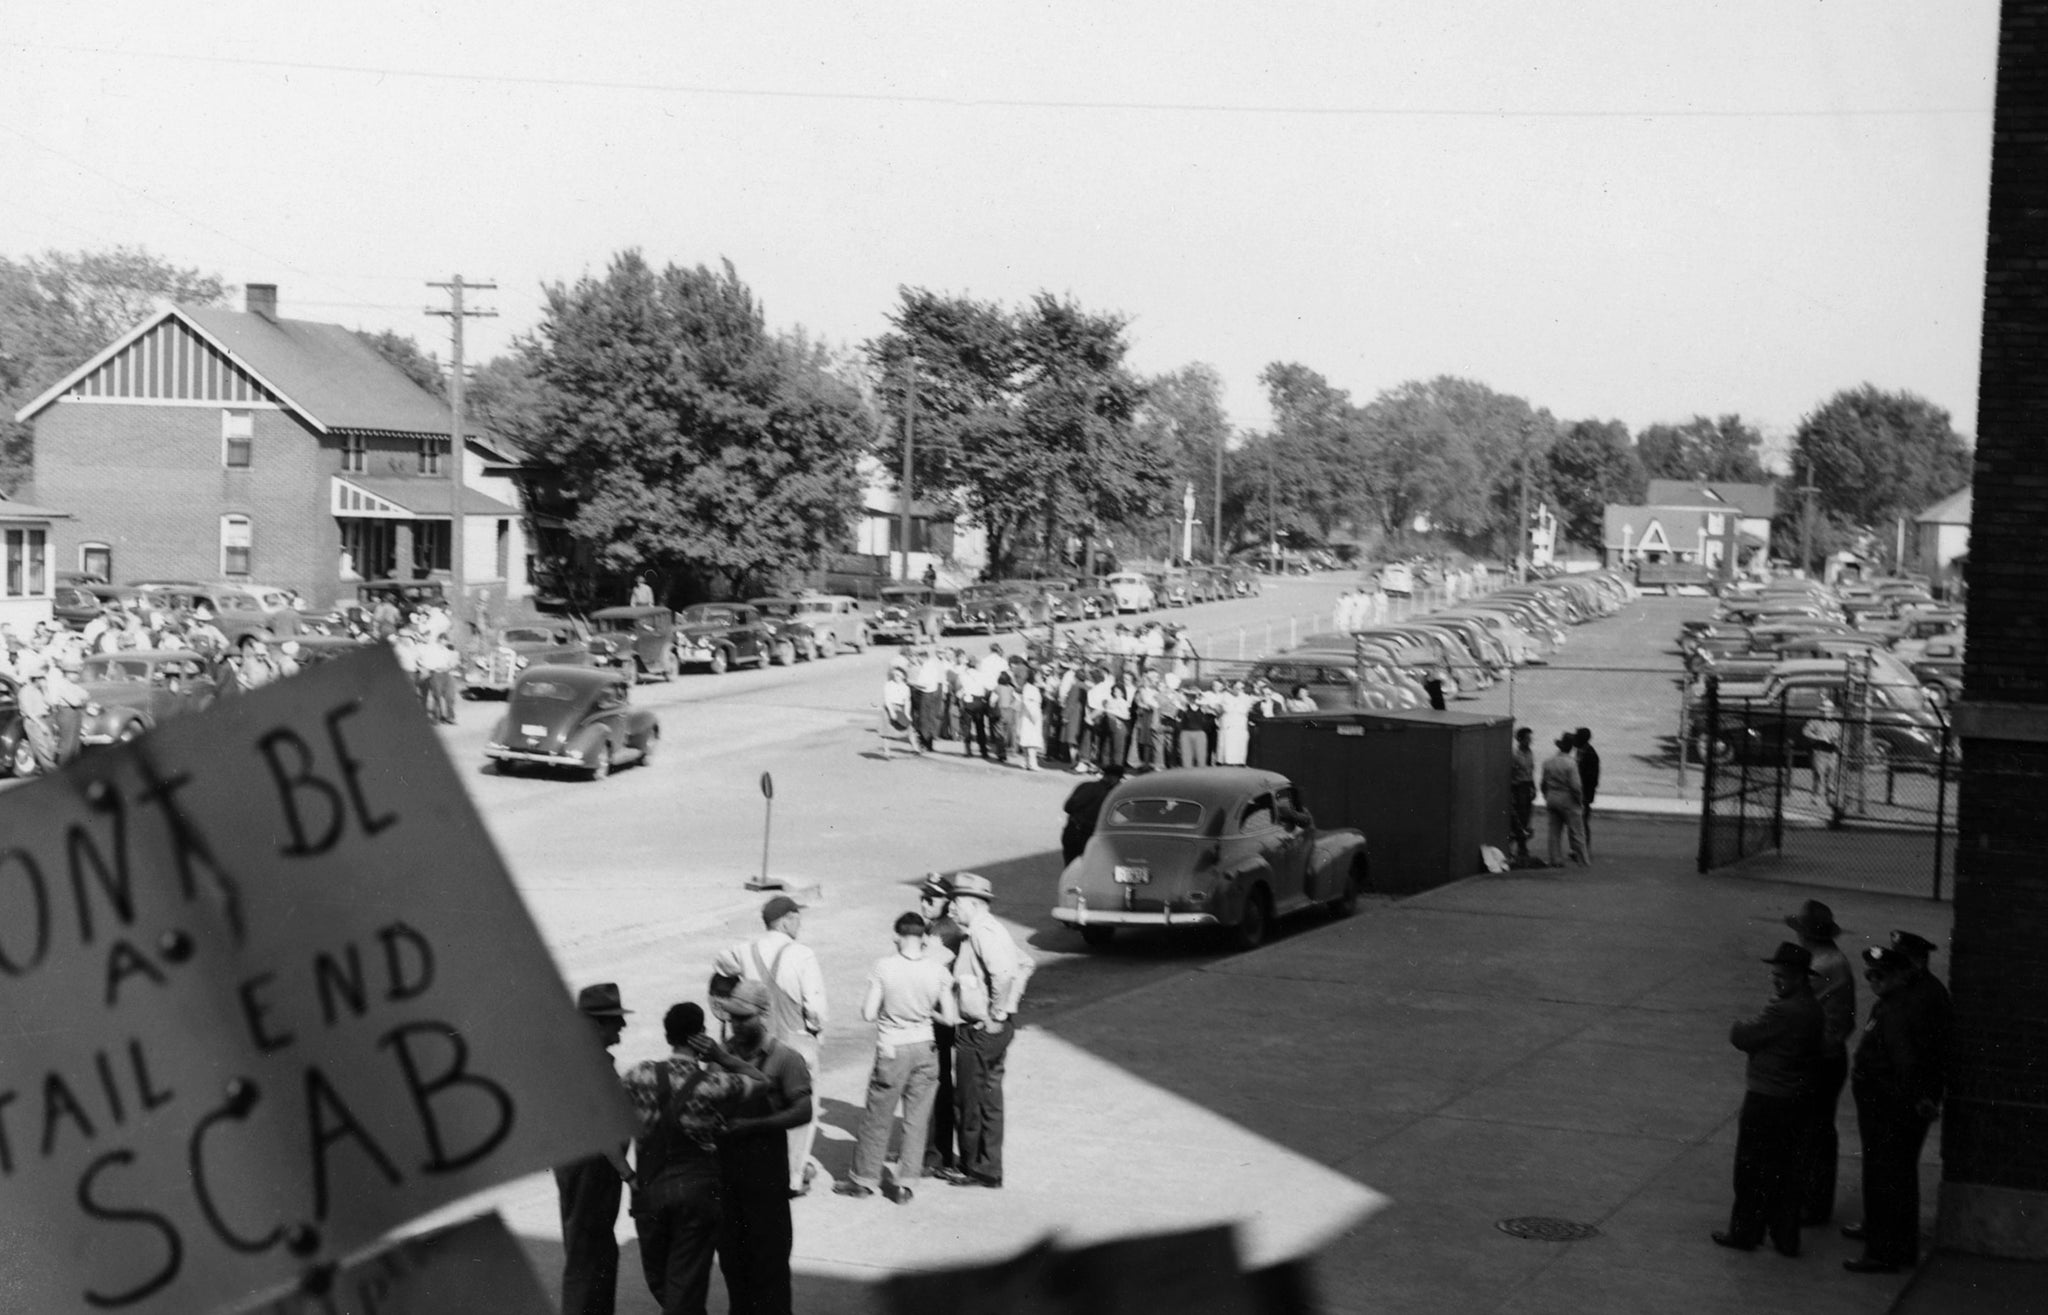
(578, 719)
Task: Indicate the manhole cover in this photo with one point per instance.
(1542, 1228)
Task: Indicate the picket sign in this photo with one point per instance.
(471, 1268)
(266, 994)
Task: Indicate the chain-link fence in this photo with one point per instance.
(1637, 715)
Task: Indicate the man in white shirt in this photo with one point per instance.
(974, 691)
(989, 977)
(927, 695)
(907, 993)
(796, 1005)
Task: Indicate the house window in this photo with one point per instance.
(234, 545)
(96, 560)
(355, 454)
(237, 437)
(28, 566)
(430, 454)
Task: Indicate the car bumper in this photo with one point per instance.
(500, 752)
(1083, 916)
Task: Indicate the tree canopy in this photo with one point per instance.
(1877, 455)
(1593, 463)
(59, 308)
(690, 439)
(1702, 449)
(1027, 414)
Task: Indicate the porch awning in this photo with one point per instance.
(385, 497)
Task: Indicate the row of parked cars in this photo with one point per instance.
(1467, 648)
(922, 613)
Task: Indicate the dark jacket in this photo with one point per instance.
(1084, 807)
(1589, 770)
(1783, 1044)
(1903, 1054)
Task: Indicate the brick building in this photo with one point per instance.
(27, 580)
(209, 444)
(1994, 1128)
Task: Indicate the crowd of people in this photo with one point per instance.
(1084, 707)
(1799, 1059)
(726, 1125)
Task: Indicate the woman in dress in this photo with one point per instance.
(1116, 718)
(1233, 725)
(1030, 730)
(1299, 701)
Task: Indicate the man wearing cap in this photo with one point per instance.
(989, 977)
(1783, 1043)
(1897, 1078)
(942, 946)
(755, 1236)
(908, 994)
(1834, 985)
(588, 1190)
(796, 1004)
(681, 1104)
(1522, 789)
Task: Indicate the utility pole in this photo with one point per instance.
(457, 313)
(1272, 522)
(1806, 492)
(909, 440)
(1522, 514)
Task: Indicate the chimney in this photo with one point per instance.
(260, 299)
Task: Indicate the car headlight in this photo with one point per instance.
(521, 664)
(94, 710)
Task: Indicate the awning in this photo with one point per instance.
(385, 497)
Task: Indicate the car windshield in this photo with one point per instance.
(617, 625)
(529, 635)
(702, 616)
(776, 607)
(116, 671)
(553, 690)
(1179, 814)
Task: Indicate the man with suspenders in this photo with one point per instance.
(796, 1005)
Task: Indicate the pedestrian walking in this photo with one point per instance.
(1783, 1044)
(908, 992)
(1522, 791)
(681, 1104)
(1563, 796)
(927, 696)
(588, 1191)
(1897, 1076)
(796, 1006)
(942, 946)
(1834, 985)
(989, 978)
(896, 714)
(755, 1233)
(1589, 782)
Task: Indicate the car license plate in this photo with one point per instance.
(535, 731)
(1134, 875)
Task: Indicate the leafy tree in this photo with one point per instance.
(1183, 414)
(1703, 449)
(1875, 455)
(1323, 474)
(402, 351)
(59, 308)
(689, 439)
(1592, 464)
(1453, 453)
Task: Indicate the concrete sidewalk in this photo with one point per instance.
(1384, 1091)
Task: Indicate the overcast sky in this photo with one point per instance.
(1635, 210)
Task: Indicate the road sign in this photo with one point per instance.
(471, 1268)
(269, 993)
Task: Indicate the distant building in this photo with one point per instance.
(210, 444)
(27, 577)
(1694, 522)
(1941, 536)
(941, 536)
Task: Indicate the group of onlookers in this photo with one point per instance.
(725, 1127)
(1086, 711)
(1567, 782)
(1799, 1058)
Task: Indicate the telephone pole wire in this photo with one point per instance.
(458, 312)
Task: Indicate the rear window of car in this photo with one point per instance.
(702, 616)
(116, 672)
(613, 625)
(528, 635)
(547, 689)
(1178, 814)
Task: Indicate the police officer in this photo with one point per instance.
(1897, 1079)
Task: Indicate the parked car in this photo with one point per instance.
(562, 641)
(16, 758)
(75, 605)
(1397, 580)
(640, 640)
(1760, 723)
(239, 614)
(993, 608)
(578, 719)
(913, 612)
(816, 625)
(1227, 847)
(721, 636)
(312, 650)
(130, 692)
(409, 595)
(1090, 600)
(1132, 591)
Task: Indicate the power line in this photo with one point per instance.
(993, 102)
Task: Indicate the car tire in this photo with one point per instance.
(860, 641)
(785, 653)
(721, 661)
(1097, 935)
(21, 760)
(669, 665)
(1355, 878)
(1254, 922)
(601, 766)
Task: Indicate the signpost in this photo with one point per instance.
(269, 994)
(764, 881)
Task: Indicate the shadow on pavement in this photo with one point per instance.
(810, 1292)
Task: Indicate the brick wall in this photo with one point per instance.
(1995, 1129)
(150, 482)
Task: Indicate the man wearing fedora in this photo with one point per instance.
(1834, 985)
(1898, 1077)
(1783, 1043)
(589, 1190)
(989, 976)
(755, 1235)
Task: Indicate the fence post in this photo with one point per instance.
(1784, 766)
(1511, 693)
(1684, 732)
(1707, 773)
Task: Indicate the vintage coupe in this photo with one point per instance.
(556, 641)
(1227, 847)
(638, 640)
(721, 636)
(913, 613)
(814, 625)
(128, 693)
(576, 718)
